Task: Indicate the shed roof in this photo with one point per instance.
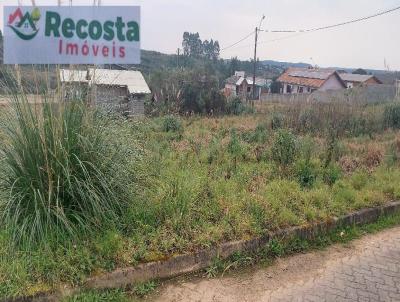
(232, 80)
(359, 78)
(132, 79)
(67, 76)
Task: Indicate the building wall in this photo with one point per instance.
(230, 90)
(136, 106)
(372, 81)
(295, 89)
(106, 94)
(117, 98)
(333, 83)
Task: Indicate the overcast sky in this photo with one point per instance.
(367, 44)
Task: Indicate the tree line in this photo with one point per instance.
(193, 46)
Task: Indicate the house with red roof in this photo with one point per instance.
(308, 80)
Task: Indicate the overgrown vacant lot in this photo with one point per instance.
(200, 181)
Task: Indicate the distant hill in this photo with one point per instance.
(284, 65)
(153, 61)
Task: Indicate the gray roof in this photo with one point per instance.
(232, 80)
(133, 80)
(236, 80)
(321, 74)
(361, 78)
(72, 75)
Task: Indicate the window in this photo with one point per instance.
(248, 89)
(289, 89)
(301, 89)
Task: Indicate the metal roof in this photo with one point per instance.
(132, 79)
(67, 75)
(311, 74)
(349, 77)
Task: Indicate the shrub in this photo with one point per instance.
(392, 116)
(172, 124)
(393, 154)
(236, 106)
(277, 121)
(332, 152)
(284, 148)
(331, 174)
(235, 148)
(349, 164)
(63, 173)
(306, 173)
(373, 158)
(308, 121)
(259, 135)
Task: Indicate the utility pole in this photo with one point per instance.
(255, 58)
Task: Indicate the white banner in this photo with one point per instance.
(72, 35)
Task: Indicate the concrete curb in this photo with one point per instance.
(184, 264)
(190, 263)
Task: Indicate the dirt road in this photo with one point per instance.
(366, 270)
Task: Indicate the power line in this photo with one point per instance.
(305, 31)
(338, 24)
(241, 40)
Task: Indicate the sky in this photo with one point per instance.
(367, 44)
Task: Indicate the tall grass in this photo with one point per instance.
(59, 171)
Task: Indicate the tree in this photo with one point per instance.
(193, 46)
(233, 65)
(360, 71)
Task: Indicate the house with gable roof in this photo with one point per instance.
(308, 80)
(240, 85)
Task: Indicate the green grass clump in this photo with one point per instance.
(392, 116)
(284, 148)
(62, 174)
(97, 296)
(172, 123)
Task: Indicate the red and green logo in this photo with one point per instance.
(24, 25)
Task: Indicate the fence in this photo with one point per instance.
(365, 94)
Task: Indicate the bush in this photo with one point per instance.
(64, 174)
(277, 121)
(236, 106)
(393, 155)
(308, 121)
(284, 148)
(172, 124)
(392, 116)
(259, 135)
(306, 173)
(235, 148)
(331, 174)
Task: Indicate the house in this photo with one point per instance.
(308, 80)
(118, 90)
(241, 86)
(353, 80)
